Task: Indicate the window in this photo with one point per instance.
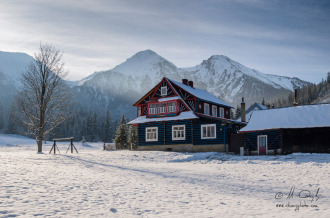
(214, 110)
(222, 112)
(163, 90)
(152, 108)
(162, 108)
(178, 132)
(139, 111)
(208, 131)
(206, 109)
(171, 107)
(151, 134)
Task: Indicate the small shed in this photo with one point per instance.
(287, 130)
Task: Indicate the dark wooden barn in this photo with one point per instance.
(287, 130)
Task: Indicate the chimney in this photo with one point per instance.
(243, 118)
(185, 81)
(191, 84)
(295, 101)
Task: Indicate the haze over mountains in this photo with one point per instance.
(118, 88)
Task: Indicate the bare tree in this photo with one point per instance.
(44, 97)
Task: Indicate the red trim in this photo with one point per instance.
(144, 97)
(165, 102)
(159, 84)
(177, 94)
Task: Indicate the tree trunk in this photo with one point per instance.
(40, 138)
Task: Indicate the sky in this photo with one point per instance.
(288, 37)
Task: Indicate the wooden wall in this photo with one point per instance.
(307, 140)
(197, 140)
(274, 140)
(193, 133)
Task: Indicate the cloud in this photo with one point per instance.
(99, 34)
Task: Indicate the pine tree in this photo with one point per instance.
(121, 134)
(12, 126)
(133, 138)
(108, 128)
(237, 112)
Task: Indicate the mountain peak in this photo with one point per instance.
(142, 62)
(145, 55)
(220, 58)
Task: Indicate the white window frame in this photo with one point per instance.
(163, 91)
(266, 138)
(222, 112)
(174, 132)
(169, 108)
(153, 110)
(208, 127)
(208, 109)
(214, 109)
(152, 136)
(162, 108)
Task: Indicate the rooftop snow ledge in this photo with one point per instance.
(182, 116)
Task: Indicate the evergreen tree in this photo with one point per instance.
(133, 138)
(237, 112)
(121, 134)
(12, 126)
(108, 128)
(94, 133)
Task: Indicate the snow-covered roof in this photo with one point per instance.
(200, 93)
(307, 116)
(168, 99)
(262, 107)
(183, 116)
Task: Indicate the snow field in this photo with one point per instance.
(156, 184)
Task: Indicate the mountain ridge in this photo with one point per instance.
(118, 88)
(221, 76)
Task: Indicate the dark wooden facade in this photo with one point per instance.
(185, 102)
(287, 141)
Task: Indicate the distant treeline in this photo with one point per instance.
(90, 126)
(308, 94)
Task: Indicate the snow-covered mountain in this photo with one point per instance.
(221, 76)
(118, 88)
(12, 65)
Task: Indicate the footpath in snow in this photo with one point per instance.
(158, 184)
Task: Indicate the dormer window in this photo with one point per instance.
(222, 112)
(214, 110)
(206, 109)
(163, 91)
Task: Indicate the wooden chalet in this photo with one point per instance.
(287, 130)
(179, 117)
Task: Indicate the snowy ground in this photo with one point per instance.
(158, 184)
